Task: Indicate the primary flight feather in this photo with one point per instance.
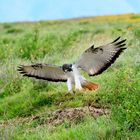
(93, 61)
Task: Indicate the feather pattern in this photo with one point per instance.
(44, 71)
(93, 61)
(96, 60)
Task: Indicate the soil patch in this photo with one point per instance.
(59, 116)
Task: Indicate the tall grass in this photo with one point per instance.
(63, 42)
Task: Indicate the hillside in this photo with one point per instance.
(33, 109)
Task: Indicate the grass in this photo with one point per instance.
(61, 42)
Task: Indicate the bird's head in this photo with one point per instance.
(67, 67)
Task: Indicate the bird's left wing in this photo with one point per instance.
(96, 60)
(44, 71)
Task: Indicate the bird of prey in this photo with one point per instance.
(93, 61)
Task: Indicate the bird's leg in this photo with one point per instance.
(69, 85)
(77, 83)
(69, 93)
(77, 78)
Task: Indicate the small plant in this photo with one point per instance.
(137, 32)
(29, 45)
(13, 30)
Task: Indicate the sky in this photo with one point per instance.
(34, 10)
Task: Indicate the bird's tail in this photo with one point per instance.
(89, 85)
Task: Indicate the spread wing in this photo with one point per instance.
(96, 60)
(44, 71)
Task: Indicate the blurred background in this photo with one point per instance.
(25, 10)
(39, 110)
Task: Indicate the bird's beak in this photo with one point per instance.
(70, 69)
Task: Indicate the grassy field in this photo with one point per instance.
(25, 103)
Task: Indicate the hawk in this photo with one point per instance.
(93, 61)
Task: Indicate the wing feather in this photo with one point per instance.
(44, 71)
(96, 60)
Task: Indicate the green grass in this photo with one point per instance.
(61, 42)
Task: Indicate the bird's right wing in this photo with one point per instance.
(96, 60)
(44, 71)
